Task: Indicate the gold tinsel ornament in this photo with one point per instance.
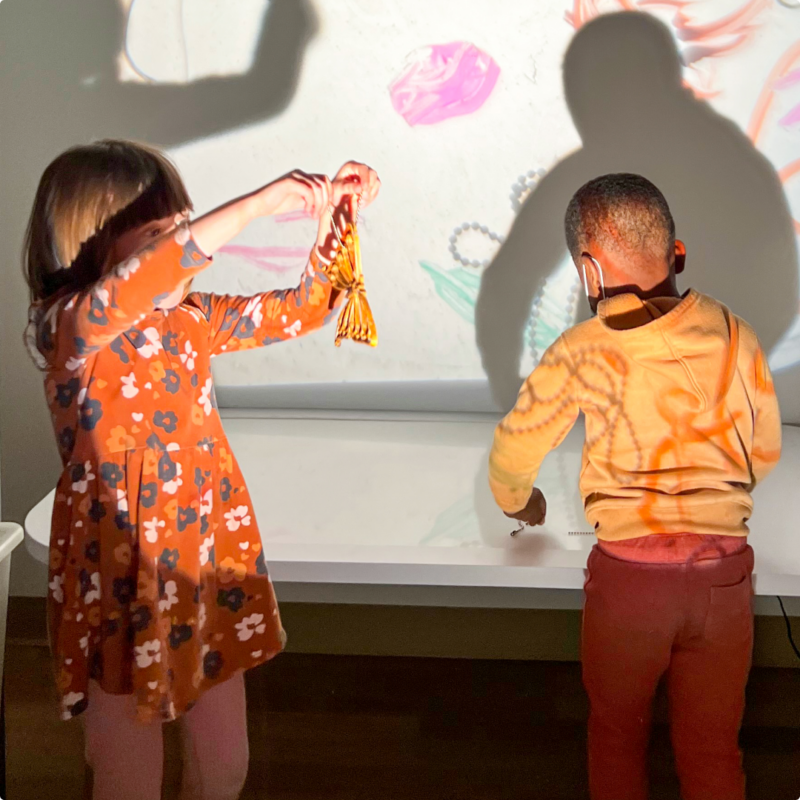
(356, 321)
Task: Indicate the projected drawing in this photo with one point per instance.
(783, 78)
(789, 81)
(456, 526)
(442, 81)
(697, 40)
(554, 307)
(278, 260)
(445, 185)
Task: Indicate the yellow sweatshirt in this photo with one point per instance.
(681, 418)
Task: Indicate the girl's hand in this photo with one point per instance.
(296, 191)
(342, 211)
(354, 183)
(365, 181)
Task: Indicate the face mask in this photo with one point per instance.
(602, 282)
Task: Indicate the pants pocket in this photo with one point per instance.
(730, 613)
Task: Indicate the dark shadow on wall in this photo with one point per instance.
(59, 87)
(60, 66)
(623, 84)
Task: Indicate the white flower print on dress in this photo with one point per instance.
(122, 500)
(294, 329)
(148, 653)
(201, 617)
(255, 310)
(56, 586)
(84, 645)
(249, 626)
(74, 364)
(129, 388)
(128, 268)
(188, 356)
(205, 550)
(205, 397)
(81, 396)
(82, 484)
(151, 528)
(207, 503)
(93, 595)
(237, 517)
(153, 344)
(103, 296)
(171, 487)
(68, 702)
(171, 592)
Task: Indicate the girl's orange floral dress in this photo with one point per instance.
(158, 583)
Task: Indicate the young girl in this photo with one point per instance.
(159, 594)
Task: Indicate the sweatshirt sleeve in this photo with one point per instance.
(545, 412)
(767, 422)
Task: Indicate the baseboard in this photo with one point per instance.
(479, 633)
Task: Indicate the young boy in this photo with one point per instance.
(681, 423)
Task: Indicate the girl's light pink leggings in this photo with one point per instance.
(127, 757)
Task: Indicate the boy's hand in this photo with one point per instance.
(534, 512)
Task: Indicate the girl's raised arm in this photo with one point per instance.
(78, 324)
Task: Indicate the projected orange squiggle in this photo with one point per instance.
(680, 409)
(764, 104)
(706, 40)
(596, 377)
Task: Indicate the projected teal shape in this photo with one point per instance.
(458, 287)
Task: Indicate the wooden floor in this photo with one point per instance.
(339, 727)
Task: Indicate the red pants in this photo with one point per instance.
(692, 622)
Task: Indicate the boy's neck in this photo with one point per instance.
(667, 288)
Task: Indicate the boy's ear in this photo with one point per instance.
(680, 256)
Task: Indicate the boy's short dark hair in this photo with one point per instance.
(620, 211)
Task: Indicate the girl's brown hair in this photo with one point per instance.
(87, 197)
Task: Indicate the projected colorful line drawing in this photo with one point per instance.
(782, 76)
(785, 76)
(294, 258)
(696, 41)
(555, 305)
(456, 525)
(441, 81)
(275, 259)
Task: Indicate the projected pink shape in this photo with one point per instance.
(792, 118)
(442, 81)
(787, 81)
(292, 258)
(291, 216)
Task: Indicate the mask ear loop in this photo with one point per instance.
(599, 274)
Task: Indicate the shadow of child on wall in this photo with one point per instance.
(623, 84)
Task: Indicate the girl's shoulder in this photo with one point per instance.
(41, 330)
(197, 307)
